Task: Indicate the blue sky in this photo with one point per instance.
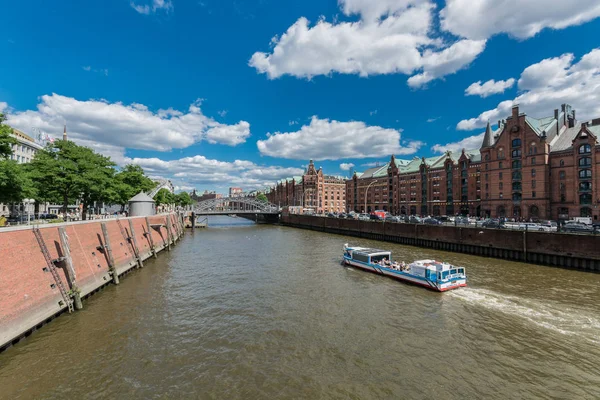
(201, 92)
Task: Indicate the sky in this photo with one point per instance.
(219, 93)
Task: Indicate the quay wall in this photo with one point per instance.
(29, 295)
(553, 249)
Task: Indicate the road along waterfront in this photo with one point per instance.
(243, 311)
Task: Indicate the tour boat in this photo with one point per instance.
(435, 275)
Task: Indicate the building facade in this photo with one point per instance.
(23, 152)
(235, 192)
(312, 191)
(528, 168)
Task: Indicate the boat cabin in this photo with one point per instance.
(367, 255)
(436, 270)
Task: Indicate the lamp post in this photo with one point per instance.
(367, 191)
(28, 203)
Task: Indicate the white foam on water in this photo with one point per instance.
(547, 314)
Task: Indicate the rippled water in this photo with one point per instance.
(265, 312)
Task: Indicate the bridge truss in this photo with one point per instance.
(235, 205)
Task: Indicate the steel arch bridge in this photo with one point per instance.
(235, 205)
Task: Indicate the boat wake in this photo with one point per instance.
(550, 315)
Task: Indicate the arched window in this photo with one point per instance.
(562, 163)
(585, 198)
(586, 212)
(585, 173)
(585, 149)
(561, 174)
(516, 164)
(532, 149)
(487, 157)
(534, 212)
(533, 172)
(516, 143)
(500, 153)
(585, 186)
(516, 153)
(585, 161)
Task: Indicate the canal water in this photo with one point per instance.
(243, 311)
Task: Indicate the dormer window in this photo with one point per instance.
(585, 149)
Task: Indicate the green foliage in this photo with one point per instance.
(262, 197)
(15, 183)
(183, 199)
(6, 141)
(164, 197)
(64, 172)
(128, 182)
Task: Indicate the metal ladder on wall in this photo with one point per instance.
(52, 268)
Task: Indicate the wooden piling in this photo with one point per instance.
(109, 255)
(134, 244)
(168, 233)
(70, 270)
(149, 233)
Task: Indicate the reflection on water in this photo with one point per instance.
(244, 311)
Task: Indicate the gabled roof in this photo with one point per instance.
(565, 140)
(374, 172)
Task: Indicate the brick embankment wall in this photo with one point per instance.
(553, 249)
(29, 295)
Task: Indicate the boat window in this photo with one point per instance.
(452, 271)
(445, 274)
(461, 270)
(360, 257)
(380, 257)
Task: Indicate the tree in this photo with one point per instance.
(128, 182)
(15, 183)
(262, 197)
(6, 141)
(183, 199)
(164, 196)
(65, 172)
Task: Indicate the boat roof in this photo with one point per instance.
(367, 250)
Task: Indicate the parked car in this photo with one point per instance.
(577, 227)
(331, 215)
(431, 221)
(493, 224)
(461, 221)
(375, 217)
(529, 226)
(442, 218)
(342, 215)
(391, 218)
(413, 219)
(364, 217)
(548, 226)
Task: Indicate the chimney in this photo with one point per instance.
(65, 133)
(515, 111)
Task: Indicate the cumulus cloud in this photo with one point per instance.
(346, 166)
(157, 5)
(489, 88)
(430, 120)
(326, 139)
(116, 126)
(480, 19)
(549, 83)
(469, 143)
(391, 36)
(199, 170)
(3, 106)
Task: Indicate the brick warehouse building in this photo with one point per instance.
(314, 190)
(546, 168)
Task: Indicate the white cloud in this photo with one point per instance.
(489, 88)
(374, 164)
(157, 5)
(371, 113)
(292, 123)
(327, 139)
(87, 68)
(469, 143)
(199, 170)
(392, 36)
(430, 120)
(222, 113)
(549, 83)
(480, 19)
(346, 166)
(118, 126)
(3, 106)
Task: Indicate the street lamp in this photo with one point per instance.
(367, 191)
(28, 203)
